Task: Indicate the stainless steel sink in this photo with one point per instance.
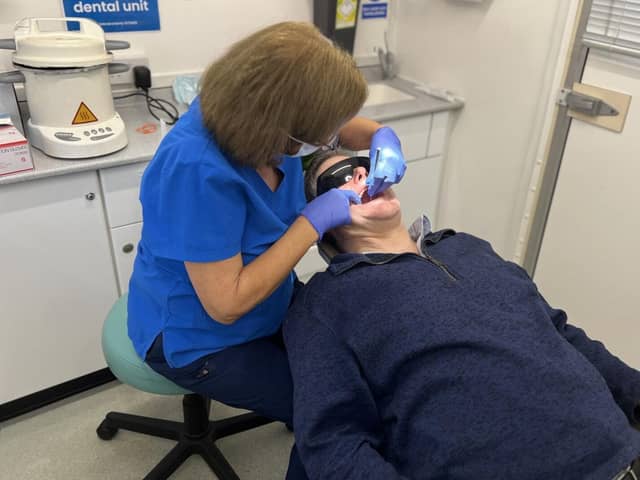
(381, 93)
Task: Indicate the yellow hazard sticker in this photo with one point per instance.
(346, 11)
(83, 115)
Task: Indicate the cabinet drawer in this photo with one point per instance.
(125, 245)
(419, 190)
(121, 186)
(438, 136)
(414, 135)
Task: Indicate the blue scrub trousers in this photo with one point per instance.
(252, 376)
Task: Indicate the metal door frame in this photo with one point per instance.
(562, 126)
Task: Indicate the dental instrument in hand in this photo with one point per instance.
(389, 165)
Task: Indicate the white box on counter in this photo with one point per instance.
(14, 149)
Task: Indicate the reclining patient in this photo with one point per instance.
(433, 358)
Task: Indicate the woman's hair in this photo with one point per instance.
(287, 79)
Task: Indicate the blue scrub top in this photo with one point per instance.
(199, 206)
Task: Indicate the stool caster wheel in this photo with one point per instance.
(106, 432)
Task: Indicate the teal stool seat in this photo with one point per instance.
(195, 435)
(123, 360)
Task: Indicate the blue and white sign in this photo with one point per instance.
(116, 15)
(374, 10)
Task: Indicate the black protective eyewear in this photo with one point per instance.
(340, 173)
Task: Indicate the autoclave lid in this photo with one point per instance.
(66, 42)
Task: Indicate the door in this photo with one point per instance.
(589, 260)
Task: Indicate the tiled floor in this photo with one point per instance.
(59, 441)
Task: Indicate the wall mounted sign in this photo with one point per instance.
(374, 10)
(116, 15)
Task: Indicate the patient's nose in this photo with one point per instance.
(359, 174)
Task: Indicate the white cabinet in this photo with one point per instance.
(438, 134)
(413, 133)
(419, 190)
(57, 284)
(121, 188)
(423, 142)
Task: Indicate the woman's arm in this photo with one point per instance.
(228, 289)
(357, 133)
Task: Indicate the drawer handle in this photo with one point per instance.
(90, 196)
(128, 248)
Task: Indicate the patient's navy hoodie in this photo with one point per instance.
(451, 366)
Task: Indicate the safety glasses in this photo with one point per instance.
(332, 145)
(340, 173)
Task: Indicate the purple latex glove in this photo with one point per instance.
(330, 210)
(389, 165)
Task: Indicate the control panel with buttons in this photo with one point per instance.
(80, 141)
(77, 134)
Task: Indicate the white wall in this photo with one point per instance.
(500, 55)
(193, 32)
(370, 32)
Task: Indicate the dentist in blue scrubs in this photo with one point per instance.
(225, 217)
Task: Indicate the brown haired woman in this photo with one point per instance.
(225, 219)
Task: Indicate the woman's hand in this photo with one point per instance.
(387, 161)
(330, 210)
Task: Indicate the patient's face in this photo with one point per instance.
(383, 206)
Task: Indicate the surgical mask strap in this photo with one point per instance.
(309, 148)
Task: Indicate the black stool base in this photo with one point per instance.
(197, 435)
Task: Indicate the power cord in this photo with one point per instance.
(142, 80)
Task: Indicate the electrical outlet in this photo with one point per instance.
(132, 58)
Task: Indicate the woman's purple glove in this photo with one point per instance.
(389, 166)
(330, 210)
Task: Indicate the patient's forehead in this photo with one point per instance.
(330, 162)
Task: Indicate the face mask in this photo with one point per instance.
(304, 150)
(307, 149)
(185, 88)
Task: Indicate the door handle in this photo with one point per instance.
(586, 104)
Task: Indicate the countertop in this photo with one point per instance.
(142, 146)
(422, 104)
